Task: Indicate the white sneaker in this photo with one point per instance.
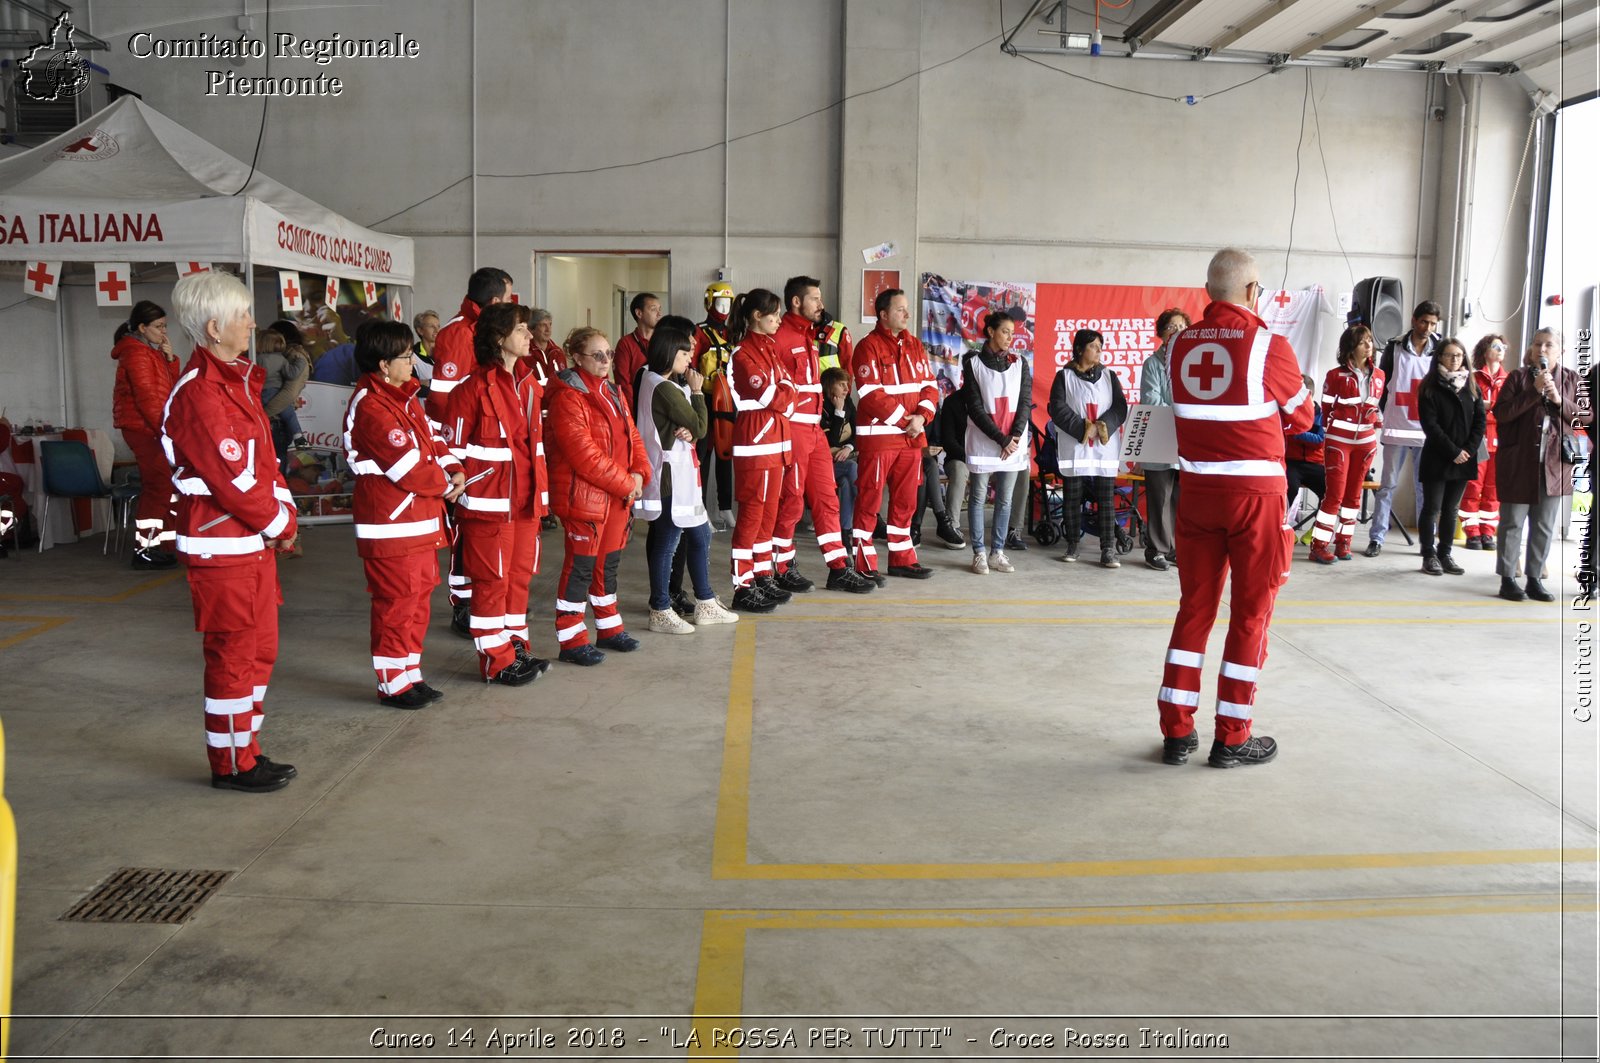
(669, 623)
(1000, 562)
(712, 611)
(980, 565)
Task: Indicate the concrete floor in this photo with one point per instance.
(939, 802)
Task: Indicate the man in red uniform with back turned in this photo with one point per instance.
(453, 362)
(1236, 393)
(809, 481)
(898, 397)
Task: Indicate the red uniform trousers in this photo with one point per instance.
(1346, 468)
(757, 492)
(809, 482)
(401, 589)
(236, 612)
(1480, 505)
(901, 470)
(1217, 529)
(593, 552)
(153, 523)
(500, 558)
(460, 582)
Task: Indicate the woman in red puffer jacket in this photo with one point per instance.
(146, 372)
(598, 467)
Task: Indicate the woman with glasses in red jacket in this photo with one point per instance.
(598, 469)
(146, 372)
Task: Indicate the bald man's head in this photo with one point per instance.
(1230, 276)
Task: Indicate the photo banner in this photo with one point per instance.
(953, 313)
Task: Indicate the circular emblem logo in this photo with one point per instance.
(448, 370)
(755, 380)
(864, 372)
(444, 434)
(397, 437)
(1207, 370)
(94, 147)
(230, 450)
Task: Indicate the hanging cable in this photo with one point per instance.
(1294, 196)
(1327, 183)
(1511, 204)
(255, 156)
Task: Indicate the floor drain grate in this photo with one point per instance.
(147, 895)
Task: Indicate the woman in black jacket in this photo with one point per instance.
(1453, 421)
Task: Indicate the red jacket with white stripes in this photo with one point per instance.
(1350, 405)
(231, 496)
(453, 359)
(796, 340)
(1489, 385)
(402, 469)
(1236, 392)
(594, 448)
(894, 382)
(763, 400)
(494, 428)
(145, 377)
(547, 361)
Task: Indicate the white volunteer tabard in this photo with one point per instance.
(1150, 434)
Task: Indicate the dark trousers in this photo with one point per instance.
(1103, 490)
(930, 492)
(1441, 499)
(1305, 474)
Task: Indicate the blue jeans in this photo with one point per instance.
(660, 543)
(844, 477)
(290, 419)
(978, 485)
(1395, 458)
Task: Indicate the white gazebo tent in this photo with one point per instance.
(128, 184)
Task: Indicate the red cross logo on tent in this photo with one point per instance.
(111, 284)
(330, 291)
(1207, 370)
(41, 279)
(370, 290)
(289, 288)
(189, 269)
(396, 311)
(86, 144)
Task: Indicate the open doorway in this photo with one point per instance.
(595, 287)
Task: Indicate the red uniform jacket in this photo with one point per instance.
(402, 469)
(796, 340)
(594, 447)
(1236, 392)
(1489, 385)
(145, 377)
(763, 399)
(894, 382)
(231, 496)
(494, 427)
(547, 362)
(632, 353)
(1350, 406)
(453, 359)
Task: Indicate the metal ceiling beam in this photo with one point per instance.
(1273, 9)
(1554, 52)
(1339, 29)
(1537, 22)
(1455, 16)
(1159, 20)
(1176, 53)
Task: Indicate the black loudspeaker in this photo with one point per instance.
(1379, 304)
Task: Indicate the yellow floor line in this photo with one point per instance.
(109, 599)
(732, 831)
(1155, 621)
(719, 982)
(41, 624)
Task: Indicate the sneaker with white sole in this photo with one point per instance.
(669, 623)
(980, 565)
(712, 611)
(999, 562)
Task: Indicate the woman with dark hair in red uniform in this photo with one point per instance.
(146, 372)
(763, 398)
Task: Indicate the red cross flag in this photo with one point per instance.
(330, 291)
(396, 311)
(370, 290)
(40, 279)
(290, 291)
(187, 268)
(111, 284)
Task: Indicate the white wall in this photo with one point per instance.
(988, 167)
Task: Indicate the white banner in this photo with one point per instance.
(329, 245)
(1297, 317)
(1150, 434)
(321, 411)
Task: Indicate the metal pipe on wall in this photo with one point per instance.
(727, 112)
(1473, 116)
